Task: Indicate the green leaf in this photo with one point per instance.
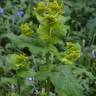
(8, 80)
(26, 74)
(65, 82)
(34, 45)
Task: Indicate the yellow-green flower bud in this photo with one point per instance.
(50, 19)
(72, 54)
(54, 7)
(19, 61)
(26, 30)
(41, 7)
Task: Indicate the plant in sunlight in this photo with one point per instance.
(52, 26)
(41, 53)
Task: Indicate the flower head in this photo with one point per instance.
(26, 30)
(50, 19)
(72, 53)
(41, 7)
(19, 60)
(54, 7)
(1, 11)
(20, 13)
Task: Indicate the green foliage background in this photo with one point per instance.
(45, 73)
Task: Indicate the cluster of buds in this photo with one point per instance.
(72, 53)
(19, 61)
(26, 30)
(49, 11)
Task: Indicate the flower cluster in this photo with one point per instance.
(1, 11)
(26, 30)
(19, 13)
(19, 61)
(52, 23)
(72, 53)
(49, 11)
(54, 7)
(41, 7)
(48, 8)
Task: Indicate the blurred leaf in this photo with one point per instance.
(64, 81)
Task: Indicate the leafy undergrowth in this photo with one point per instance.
(47, 48)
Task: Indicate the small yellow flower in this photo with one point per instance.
(72, 53)
(26, 30)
